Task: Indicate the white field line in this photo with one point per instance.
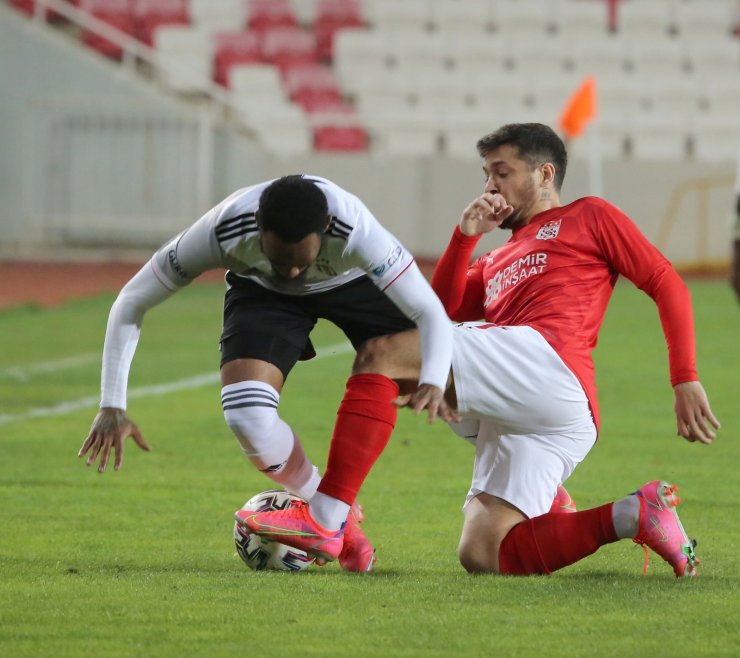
(155, 390)
(24, 373)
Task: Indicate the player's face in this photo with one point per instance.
(511, 177)
(289, 261)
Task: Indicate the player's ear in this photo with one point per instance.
(548, 174)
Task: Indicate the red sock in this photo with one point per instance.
(364, 424)
(553, 541)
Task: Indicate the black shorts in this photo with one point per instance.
(266, 325)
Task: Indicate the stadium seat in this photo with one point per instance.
(659, 138)
(152, 14)
(446, 90)
(549, 92)
(184, 55)
(218, 15)
(288, 46)
(378, 94)
(459, 18)
(637, 19)
(312, 85)
(673, 94)
(265, 15)
(408, 134)
(117, 14)
(340, 139)
(359, 53)
(332, 16)
(600, 55)
(480, 50)
(552, 54)
(460, 131)
(282, 130)
(716, 137)
(392, 16)
(420, 53)
(231, 49)
(706, 21)
(619, 97)
(715, 58)
(658, 56)
(524, 20)
(608, 134)
(577, 19)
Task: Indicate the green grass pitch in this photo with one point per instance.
(142, 563)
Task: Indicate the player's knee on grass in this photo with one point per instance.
(477, 555)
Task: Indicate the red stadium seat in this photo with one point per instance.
(269, 14)
(150, 14)
(331, 16)
(118, 14)
(231, 48)
(340, 139)
(286, 47)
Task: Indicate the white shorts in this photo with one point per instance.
(535, 424)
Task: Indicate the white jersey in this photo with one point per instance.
(355, 244)
(227, 237)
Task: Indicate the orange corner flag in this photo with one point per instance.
(580, 108)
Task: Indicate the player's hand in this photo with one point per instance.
(432, 399)
(484, 214)
(693, 415)
(108, 431)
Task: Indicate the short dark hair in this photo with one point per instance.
(536, 144)
(293, 207)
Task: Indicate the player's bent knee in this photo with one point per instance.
(250, 410)
(477, 557)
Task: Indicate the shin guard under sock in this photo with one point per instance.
(365, 421)
(552, 541)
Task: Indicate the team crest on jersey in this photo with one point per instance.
(549, 231)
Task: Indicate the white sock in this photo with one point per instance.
(327, 511)
(626, 516)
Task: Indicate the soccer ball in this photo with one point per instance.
(259, 553)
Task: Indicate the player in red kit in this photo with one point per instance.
(522, 379)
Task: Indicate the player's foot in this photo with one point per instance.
(660, 528)
(294, 526)
(562, 503)
(357, 552)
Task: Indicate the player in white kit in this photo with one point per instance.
(297, 249)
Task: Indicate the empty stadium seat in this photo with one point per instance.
(358, 53)
(640, 19)
(149, 15)
(706, 21)
(184, 55)
(393, 16)
(270, 14)
(288, 46)
(659, 138)
(332, 16)
(340, 139)
(459, 18)
(524, 20)
(716, 137)
(218, 15)
(600, 55)
(578, 19)
(231, 49)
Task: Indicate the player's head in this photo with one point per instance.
(292, 217)
(525, 162)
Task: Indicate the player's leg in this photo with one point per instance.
(365, 421)
(259, 346)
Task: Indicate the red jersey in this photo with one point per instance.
(556, 275)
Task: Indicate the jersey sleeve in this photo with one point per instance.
(189, 254)
(173, 266)
(458, 283)
(630, 253)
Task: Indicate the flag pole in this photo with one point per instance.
(595, 159)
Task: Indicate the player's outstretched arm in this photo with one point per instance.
(693, 414)
(108, 431)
